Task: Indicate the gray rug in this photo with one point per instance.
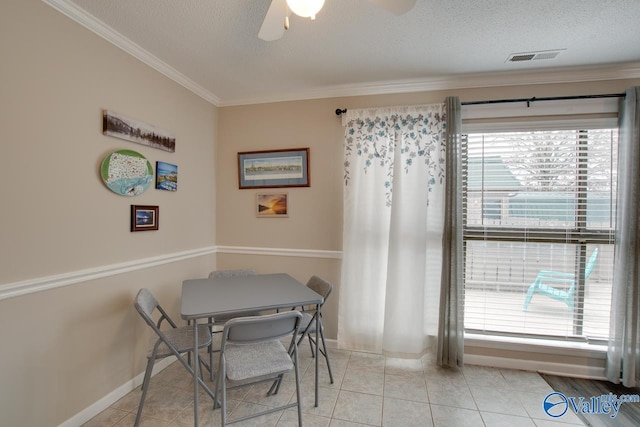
(628, 413)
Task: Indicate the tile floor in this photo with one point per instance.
(369, 390)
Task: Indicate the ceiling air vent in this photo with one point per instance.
(521, 57)
(533, 56)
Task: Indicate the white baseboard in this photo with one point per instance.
(331, 343)
(551, 368)
(111, 398)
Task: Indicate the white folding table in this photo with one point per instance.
(204, 298)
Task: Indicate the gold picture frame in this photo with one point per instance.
(272, 205)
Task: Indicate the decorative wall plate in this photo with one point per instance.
(127, 172)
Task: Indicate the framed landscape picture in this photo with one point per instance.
(166, 176)
(144, 218)
(274, 168)
(272, 205)
(123, 127)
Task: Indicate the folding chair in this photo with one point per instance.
(173, 341)
(251, 352)
(219, 321)
(310, 319)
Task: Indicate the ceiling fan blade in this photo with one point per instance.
(273, 24)
(397, 7)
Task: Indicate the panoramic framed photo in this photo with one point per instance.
(274, 168)
(144, 218)
(272, 205)
(123, 127)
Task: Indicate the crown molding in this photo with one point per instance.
(452, 82)
(98, 27)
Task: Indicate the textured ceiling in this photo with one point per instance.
(354, 45)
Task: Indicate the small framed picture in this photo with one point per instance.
(166, 176)
(144, 218)
(272, 205)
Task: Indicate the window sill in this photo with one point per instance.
(572, 359)
(536, 345)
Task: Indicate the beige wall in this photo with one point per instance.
(66, 348)
(315, 213)
(315, 218)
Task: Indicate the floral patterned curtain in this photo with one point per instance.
(419, 135)
(394, 170)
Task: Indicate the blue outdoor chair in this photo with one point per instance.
(546, 278)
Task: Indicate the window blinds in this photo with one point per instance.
(539, 221)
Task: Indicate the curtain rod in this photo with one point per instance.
(550, 98)
(341, 111)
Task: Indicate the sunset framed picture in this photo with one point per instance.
(272, 205)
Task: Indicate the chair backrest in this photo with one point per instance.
(591, 264)
(320, 286)
(146, 304)
(231, 273)
(246, 330)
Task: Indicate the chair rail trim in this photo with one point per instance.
(305, 253)
(30, 286)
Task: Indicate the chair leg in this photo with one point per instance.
(211, 350)
(313, 353)
(144, 388)
(323, 351)
(221, 387)
(326, 355)
(297, 373)
(200, 361)
(189, 354)
(208, 367)
(274, 387)
(189, 369)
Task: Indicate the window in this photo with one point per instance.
(539, 220)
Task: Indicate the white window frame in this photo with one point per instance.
(571, 114)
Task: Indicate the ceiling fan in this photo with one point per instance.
(277, 19)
